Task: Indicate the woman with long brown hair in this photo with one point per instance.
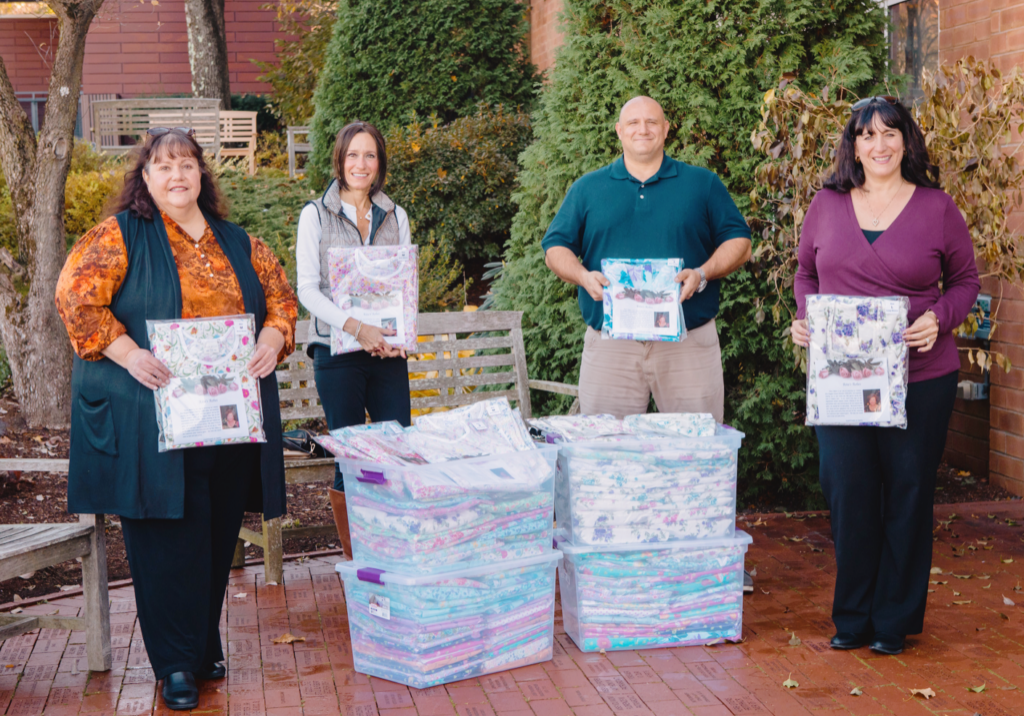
(168, 253)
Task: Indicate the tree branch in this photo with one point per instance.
(17, 152)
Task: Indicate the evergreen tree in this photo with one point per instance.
(390, 58)
(709, 63)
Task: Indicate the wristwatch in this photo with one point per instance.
(703, 280)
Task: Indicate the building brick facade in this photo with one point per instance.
(140, 49)
(545, 36)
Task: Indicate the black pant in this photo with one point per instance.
(879, 484)
(354, 384)
(180, 567)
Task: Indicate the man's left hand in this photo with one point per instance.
(690, 282)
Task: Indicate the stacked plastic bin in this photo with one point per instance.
(453, 571)
(647, 527)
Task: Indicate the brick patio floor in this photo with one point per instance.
(972, 638)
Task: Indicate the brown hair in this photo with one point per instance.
(345, 137)
(135, 196)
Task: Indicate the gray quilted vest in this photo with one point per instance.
(338, 232)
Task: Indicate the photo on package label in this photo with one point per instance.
(228, 417)
(872, 401)
(661, 319)
(389, 323)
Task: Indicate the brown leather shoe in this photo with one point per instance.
(341, 519)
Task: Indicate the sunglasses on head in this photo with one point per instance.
(861, 104)
(161, 131)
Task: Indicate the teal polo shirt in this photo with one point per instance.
(681, 212)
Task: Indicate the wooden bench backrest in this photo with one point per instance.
(238, 127)
(116, 118)
(444, 370)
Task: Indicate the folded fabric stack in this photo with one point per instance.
(429, 630)
(451, 524)
(627, 488)
(645, 596)
(646, 510)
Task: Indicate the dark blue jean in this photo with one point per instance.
(354, 384)
(879, 484)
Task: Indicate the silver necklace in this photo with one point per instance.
(874, 221)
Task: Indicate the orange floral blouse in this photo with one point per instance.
(98, 262)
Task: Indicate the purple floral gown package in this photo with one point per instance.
(378, 285)
(857, 362)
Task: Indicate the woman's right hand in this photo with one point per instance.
(145, 368)
(799, 332)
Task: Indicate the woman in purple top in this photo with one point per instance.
(882, 227)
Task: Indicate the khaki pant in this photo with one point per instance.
(619, 377)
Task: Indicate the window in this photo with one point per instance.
(914, 40)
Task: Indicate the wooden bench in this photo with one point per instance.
(239, 129)
(116, 119)
(296, 148)
(27, 547)
(439, 378)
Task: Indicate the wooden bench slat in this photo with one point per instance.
(452, 401)
(15, 541)
(464, 344)
(428, 365)
(33, 465)
(463, 381)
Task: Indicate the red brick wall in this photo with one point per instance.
(135, 49)
(991, 29)
(544, 35)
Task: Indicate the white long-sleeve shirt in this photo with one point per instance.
(307, 261)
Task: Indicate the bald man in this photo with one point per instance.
(645, 205)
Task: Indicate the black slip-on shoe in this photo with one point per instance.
(848, 640)
(887, 644)
(748, 582)
(217, 671)
(180, 692)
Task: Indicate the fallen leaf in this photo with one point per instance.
(17, 598)
(984, 576)
(39, 498)
(962, 576)
(241, 595)
(27, 576)
(927, 693)
(795, 641)
(1004, 616)
(956, 594)
(962, 602)
(856, 691)
(17, 610)
(753, 572)
(963, 473)
(1008, 602)
(988, 586)
(1008, 560)
(795, 539)
(976, 689)
(765, 591)
(937, 582)
(789, 683)
(288, 638)
(936, 570)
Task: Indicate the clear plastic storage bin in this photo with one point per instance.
(643, 596)
(454, 515)
(632, 489)
(434, 629)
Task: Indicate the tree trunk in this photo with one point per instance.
(33, 335)
(208, 50)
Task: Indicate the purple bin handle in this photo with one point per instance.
(369, 574)
(377, 478)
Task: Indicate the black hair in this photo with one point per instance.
(916, 166)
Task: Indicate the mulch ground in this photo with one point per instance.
(40, 497)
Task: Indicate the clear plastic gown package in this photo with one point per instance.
(628, 488)
(641, 596)
(642, 301)
(378, 285)
(857, 362)
(423, 630)
(211, 398)
(453, 515)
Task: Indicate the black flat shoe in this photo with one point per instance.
(217, 671)
(180, 692)
(887, 644)
(848, 640)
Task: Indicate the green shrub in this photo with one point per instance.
(386, 61)
(708, 62)
(456, 180)
(306, 26)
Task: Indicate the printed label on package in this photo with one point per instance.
(853, 390)
(380, 606)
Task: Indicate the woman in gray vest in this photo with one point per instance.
(352, 212)
(169, 254)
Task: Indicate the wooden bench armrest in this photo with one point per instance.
(550, 386)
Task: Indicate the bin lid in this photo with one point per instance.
(741, 539)
(366, 572)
